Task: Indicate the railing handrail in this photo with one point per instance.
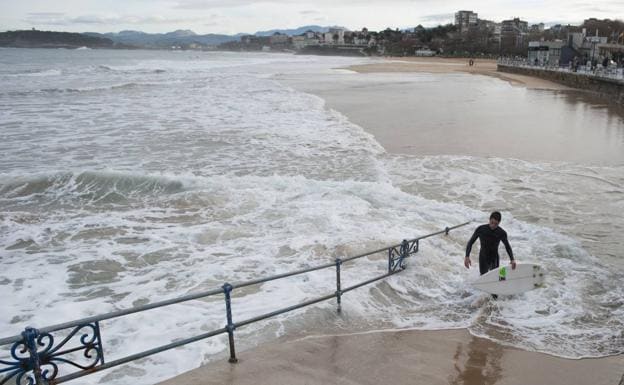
(39, 343)
(189, 297)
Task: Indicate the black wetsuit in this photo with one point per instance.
(490, 239)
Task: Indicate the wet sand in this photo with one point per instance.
(431, 106)
(401, 357)
(485, 67)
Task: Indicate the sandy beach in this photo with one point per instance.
(486, 67)
(493, 114)
(401, 357)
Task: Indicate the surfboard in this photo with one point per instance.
(506, 281)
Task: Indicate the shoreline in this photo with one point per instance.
(437, 65)
(400, 102)
(401, 357)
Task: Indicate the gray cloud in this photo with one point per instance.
(438, 18)
(235, 15)
(207, 4)
(60, 19)
(612, 7)
(204, 4)
(46, 14)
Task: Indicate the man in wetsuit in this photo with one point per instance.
(490, 236)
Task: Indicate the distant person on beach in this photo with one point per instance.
(490, 235)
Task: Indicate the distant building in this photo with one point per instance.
(491, 26)
(278, 38)
(513, 32)
(514, 25)
(424, 52)
(537, 27)
(585, 47)
(487, 24)
(577, 48)
(361, 38)
(255, 40)
(336, 36)
(614, 52)
(466, 19)
(298, 42)
(545, 53)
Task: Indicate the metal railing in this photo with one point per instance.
(609, 73)
(35, 358)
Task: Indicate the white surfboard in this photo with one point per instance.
(506, 281)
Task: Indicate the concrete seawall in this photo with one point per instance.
(609, 89)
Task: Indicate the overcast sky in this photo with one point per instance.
(234, 16)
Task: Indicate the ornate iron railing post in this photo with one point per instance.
(338, 291)
(30, 336)
(396, 258)
(405, 252)
(227, 290)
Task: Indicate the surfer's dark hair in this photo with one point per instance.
(496, 215)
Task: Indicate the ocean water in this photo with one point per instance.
(129, 177)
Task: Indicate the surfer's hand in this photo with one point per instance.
(467, 263)
(513, 264)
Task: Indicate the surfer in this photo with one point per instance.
(490, 235)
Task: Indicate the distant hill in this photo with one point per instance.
(296, 31)
(48, 39)
(164, 40)
(132, 39)
(187, 37)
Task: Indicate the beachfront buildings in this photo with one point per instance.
(613, 51)
(577, 49)
(464, 20)
(513, 32)
(545, 53)
(558, 45)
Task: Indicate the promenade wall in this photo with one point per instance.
(610, 89)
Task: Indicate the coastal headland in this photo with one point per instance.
(401, 357)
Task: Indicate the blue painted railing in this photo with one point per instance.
(35, 356)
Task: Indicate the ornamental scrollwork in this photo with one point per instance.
(397, 255)
(35, 359)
